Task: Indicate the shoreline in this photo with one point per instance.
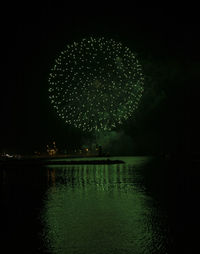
(46, 161)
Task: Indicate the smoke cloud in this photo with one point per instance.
(115, 143)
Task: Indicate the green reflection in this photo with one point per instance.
(100, 209)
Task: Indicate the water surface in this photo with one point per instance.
(83, 209)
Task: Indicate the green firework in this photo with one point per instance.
(96, 84)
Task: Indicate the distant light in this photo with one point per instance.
(8, 155)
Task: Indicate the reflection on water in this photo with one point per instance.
(101, 209)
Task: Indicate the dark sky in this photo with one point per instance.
(167, 45)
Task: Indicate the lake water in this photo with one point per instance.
(86, 209)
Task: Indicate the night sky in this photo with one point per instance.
(167, 45)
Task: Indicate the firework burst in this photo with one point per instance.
(96, 84)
